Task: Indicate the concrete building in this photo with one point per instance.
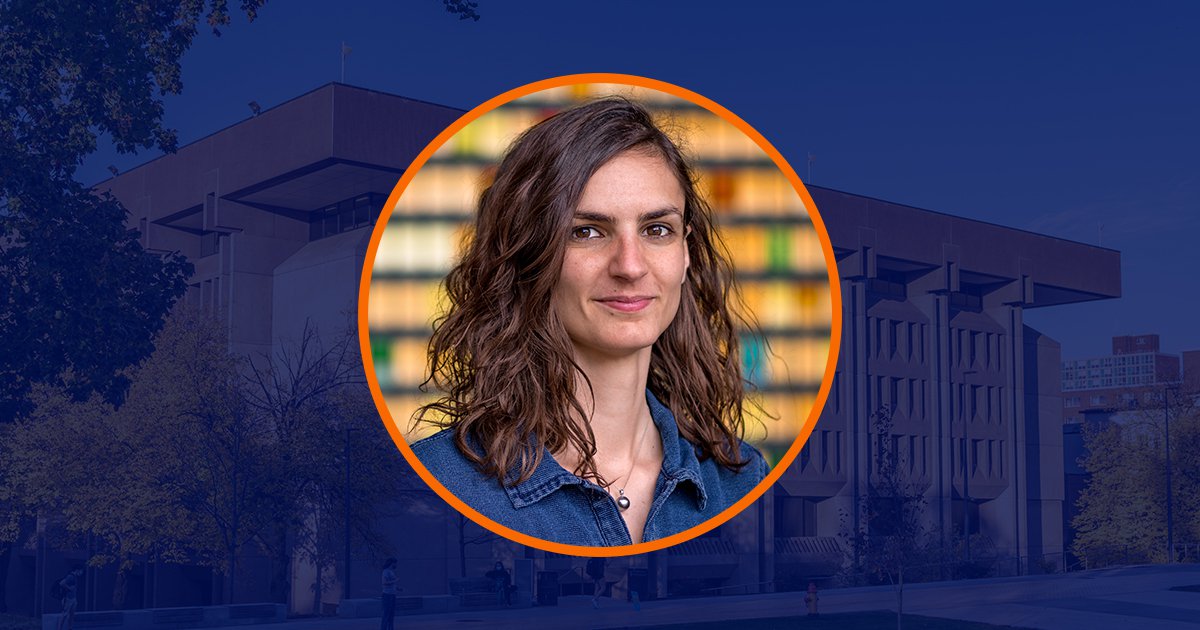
(275, 210)
(275, 213)
(933, 330)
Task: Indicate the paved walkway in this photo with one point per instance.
(1119, 598)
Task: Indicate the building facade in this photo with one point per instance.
(275, 212)
(934, 336)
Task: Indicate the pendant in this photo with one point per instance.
(622, 501)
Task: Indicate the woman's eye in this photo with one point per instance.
(658, 230)
(584, 232)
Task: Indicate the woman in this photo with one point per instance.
(588, 359)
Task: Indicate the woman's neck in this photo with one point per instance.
(616, 401)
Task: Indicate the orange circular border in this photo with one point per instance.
(805, 430)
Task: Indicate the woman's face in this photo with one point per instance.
(626, 258)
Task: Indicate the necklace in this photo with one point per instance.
(622, 500)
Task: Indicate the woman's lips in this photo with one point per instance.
(626, 304)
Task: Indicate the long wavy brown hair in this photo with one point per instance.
(501, 357)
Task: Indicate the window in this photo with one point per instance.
(346, 215)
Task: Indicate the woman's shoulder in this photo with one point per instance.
(725, 486)
(441, 456)
(756, 467)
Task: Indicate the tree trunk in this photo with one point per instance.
(900, 600)
(230, 577)
(281, 581)
(317, 588)
(121, 582)
(5, 554)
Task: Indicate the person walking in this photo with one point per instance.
(388, 597)
(501, 581)
(69, 587)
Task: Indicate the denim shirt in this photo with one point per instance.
(557, 506)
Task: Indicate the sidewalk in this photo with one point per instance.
(1115, 599)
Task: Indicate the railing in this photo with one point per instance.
(756, 585)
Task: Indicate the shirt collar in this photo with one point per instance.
(679, 464)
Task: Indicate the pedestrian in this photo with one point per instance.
(69, 587)
(501, 580)
(388, 597)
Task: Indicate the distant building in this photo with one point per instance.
(1132, 376)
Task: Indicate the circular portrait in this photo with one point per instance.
(599, 313)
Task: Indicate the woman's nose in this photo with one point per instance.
(629, 258)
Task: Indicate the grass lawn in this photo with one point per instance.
(872, 620)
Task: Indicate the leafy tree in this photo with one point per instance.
(87, 472)
(180, 471)
(211, 456)
(1122, 511)
(895, 541)
(464, 9)
(218, 460)
(79, 298)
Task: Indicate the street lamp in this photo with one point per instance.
(1167, 448)
(346, 581)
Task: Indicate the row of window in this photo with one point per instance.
(1075, 373)
(789, 362)
(433, 246)
(704, 136)
(984, 457)
(346, 215)
(908, 455)
(408, 306)
(903, 340)
(822, 454)
(1125, 399)
(896, 339)
(775, 434)
(1118, 360)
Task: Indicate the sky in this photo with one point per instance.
(1078, 120)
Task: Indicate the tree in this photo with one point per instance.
(464, 9)
(180, 471)
(895, 540)
(339, 461)
(212, 455)
(1122, 511)
(88, 473)
(79, 298)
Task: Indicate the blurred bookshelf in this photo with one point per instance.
(762, 220)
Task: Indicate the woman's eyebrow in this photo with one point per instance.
(599, 217)
(658, 214)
